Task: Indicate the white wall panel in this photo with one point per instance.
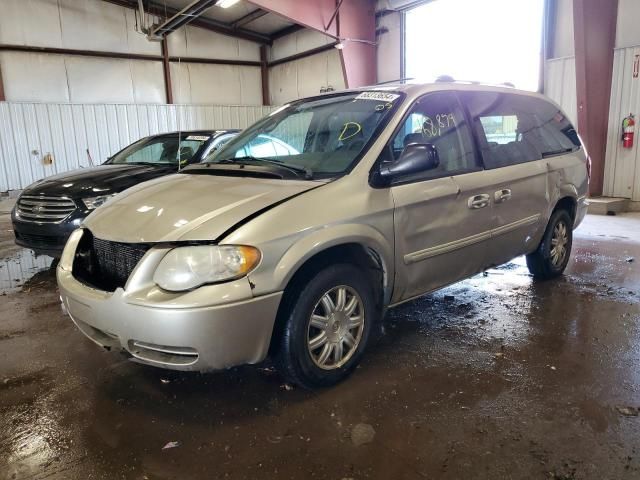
(148, 81)
(298, 42)
(250, 86)
(34, 77)
(627, 31)
(283, 83)
(67, 131)
(622, 166)
(214, 83)
(305, 77)
(219, 84)
(564, 41)
(93, 25)
(99, 80)
(200, 43)
(388, 48)
(560, 85)
(30, 22)
(180, 82)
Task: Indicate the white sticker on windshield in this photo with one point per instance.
(200, 138)
(378, 96)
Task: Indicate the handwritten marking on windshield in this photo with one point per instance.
(352, 128)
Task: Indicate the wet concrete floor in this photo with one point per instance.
(497, 377)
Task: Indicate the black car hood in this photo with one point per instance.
(101, 180)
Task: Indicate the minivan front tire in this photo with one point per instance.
(327, 325)
(552, 255)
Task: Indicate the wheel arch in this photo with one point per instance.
(568, 203)
(365, 252)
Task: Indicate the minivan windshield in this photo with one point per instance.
(160, 150)
(321, 136)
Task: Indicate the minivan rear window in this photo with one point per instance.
(513, 128)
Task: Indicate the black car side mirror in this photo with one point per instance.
(415, 158)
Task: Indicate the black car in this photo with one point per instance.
(48, 210)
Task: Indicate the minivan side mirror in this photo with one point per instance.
(415, 158)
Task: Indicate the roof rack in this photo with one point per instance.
(450, 79)
(397, 80)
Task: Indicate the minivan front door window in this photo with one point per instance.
(322, 135)
(438, 119)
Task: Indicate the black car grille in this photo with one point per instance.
(41, 241)
(104, 264)
(40, 209)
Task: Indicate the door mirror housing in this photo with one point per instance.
(415, 158)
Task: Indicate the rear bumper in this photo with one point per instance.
(200, 338)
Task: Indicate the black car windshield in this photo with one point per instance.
(161, 150)
(321, 136)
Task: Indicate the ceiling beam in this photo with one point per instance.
(249, 17)
(159, 10)
(187, 15)
(286, 31)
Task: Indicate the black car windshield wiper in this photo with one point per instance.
(306, 171)
(143, 163)
(556, 152)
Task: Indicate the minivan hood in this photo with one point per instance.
(100, 180)
(187, 207)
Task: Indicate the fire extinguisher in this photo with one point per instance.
(628, 131)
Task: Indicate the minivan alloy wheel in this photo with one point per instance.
(559, 241)
(335, 327)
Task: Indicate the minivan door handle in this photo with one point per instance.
(502, 195)
(478, 201)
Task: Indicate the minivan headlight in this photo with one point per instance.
(94, 202)
(184, 268)
(69, 252)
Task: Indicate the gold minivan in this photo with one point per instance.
(293, 239)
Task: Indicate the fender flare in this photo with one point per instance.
(332, 236)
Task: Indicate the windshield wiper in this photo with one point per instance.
(306, 171)
(556, 152)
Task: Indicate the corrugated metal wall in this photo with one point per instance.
(622, 172)
(28, 131)
(560, 85)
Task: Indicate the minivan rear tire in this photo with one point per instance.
(545, 263)
(295, 358)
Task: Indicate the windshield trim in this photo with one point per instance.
(363, 151)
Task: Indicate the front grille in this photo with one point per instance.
(104, 264)
(42, 241)
(34, 208)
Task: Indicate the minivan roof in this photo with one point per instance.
(416, 89)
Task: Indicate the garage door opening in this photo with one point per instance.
(491, 41)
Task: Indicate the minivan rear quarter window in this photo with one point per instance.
(514, 129)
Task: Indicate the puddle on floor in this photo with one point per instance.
(19, 268)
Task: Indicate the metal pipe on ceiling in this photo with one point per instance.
(183, 17)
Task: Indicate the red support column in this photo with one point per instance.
(166, 69)
(264, 74)
(2, 96)
(594, 32)
(354, 25)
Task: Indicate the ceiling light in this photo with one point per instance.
(226, 3)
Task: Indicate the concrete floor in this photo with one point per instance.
(497, 377)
